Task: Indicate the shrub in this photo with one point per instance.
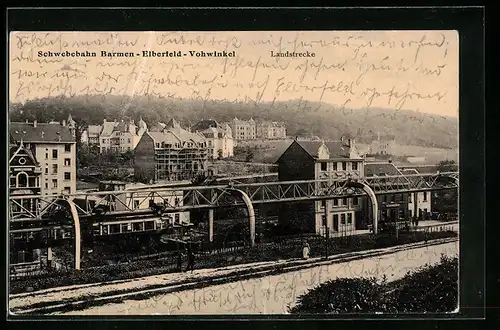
(345, 295)
(429, 289)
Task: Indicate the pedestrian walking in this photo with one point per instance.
(305, 250)
(179, 261)
(190, 255)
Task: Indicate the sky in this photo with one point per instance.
(414, 70)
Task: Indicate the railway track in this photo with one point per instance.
(81, 297)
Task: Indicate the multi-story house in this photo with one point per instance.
(114, 136)
(392, 207)
(172, 154)
(243, 129)
(219, 138)
(25, 180)
(53, 146)
(419, 203)
(118, 136)
(91, 135)
(271, 130)
(383, 145)
(315, 160)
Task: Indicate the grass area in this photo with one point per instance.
(430, 289)
(285, 249)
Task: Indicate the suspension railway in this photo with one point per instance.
(149, 208)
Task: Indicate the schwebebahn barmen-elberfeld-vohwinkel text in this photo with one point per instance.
(144, 53)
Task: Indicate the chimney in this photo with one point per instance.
(64, 122)
(43, 133)
(26, 121)
(34, 123)
(378, 136)
(104, 120)
(341, 139)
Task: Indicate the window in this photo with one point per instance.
(355, 201)
(410, 213)
(54, 154)
(46, 185)
(67, 176)
(410, 198)
(334, 166)
(349, 218)
(335, 220)
(105, 230)
(344, 166)
(54, 168)
(335, 202)
(126, 227)
(67, 190)
(138, 226)
(67, 162)
(354, 166)
(425, 196)
(149, 225)
(46, 155)
(323, 203)
(67, 148)
(323, 220)
(342, 219)
(177, 218)
(114, 229)
(22, 179)
(323, 166)
(344, 201)
(54, 183)
(136, 204)
(46, 170)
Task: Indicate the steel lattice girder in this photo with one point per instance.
(202, 197)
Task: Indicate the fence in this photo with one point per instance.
(210, 255)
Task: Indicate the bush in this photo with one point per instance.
(343, 295)
(430, 289)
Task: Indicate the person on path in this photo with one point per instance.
(179, 261)
(305, 250)
(190, 255)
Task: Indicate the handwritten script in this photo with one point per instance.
(415, 70)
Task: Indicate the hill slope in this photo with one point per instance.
(301, 117)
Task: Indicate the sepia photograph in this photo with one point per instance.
(233, 173)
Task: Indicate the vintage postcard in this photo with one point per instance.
(224, 173)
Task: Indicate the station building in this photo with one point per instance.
(316, 160)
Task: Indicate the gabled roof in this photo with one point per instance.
(205, 124)
(22, 151)
(172, 123)
(158, 127)
(94, 129)
(337, 149)
(381, 169)
(108, 127)
(43, 132)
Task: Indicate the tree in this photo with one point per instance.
(447, 166)
(249, 156)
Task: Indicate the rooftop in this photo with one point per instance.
(43, 132)
(337, 149)
(381, 169)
